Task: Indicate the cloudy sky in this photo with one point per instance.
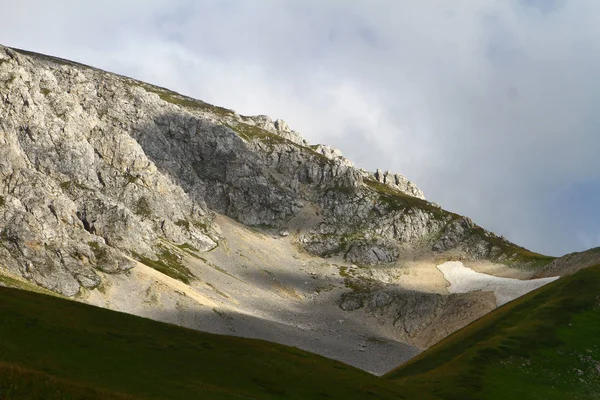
(491, 107)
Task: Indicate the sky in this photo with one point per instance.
(489, 106)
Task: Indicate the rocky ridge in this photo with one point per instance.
(570, 263)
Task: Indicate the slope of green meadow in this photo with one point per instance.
(545, 345)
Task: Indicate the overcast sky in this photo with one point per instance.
(491, 107)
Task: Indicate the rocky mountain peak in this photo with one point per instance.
(398, 182)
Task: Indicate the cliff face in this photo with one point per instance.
(95, 167)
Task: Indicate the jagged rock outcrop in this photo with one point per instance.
(398, 182)
(373, 252)
(78, 192)
(333, 154)
(416, 317)
(278, 127)
(454, 234)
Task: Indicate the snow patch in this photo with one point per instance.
(463, 280)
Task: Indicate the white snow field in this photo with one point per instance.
(463, 280)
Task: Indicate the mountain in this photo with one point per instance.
(544, 345)
(128, 196)
(570, 263)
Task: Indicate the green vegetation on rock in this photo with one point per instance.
(142, 207)
(178, 99)
(70, 185)
(182, 223)
(251, 132)
(9, 281)
(188, 247)
(357, 284)
(397, 200)
(100, 252)
(168, 263)
(514, 255)
(505, 251)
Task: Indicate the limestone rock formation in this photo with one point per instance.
(91, 157)
(398, 182)
(78, 191)
(421, 319)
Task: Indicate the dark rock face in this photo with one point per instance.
(424, 317)
(372, 252)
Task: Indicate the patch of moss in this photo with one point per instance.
(45, 91)
(8, 281)
(187, 102)
(142, 207)
(187, 246)
(221, 270)
(182, 223)
(130, 178)
(168, 263)
(69, 185)
(398, 201)
(318, 157)
(347, 190)
(202, 225)
(190, 250)
(356, 284)
(259, 227)
(217, 291)
(100, 252)
(511, 253)
(251, 132)
(2, 201)
(10, 80)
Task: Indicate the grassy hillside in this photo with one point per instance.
(545, 345)
(53, 348)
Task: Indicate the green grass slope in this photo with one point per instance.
(51, 348)
(545, 345)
